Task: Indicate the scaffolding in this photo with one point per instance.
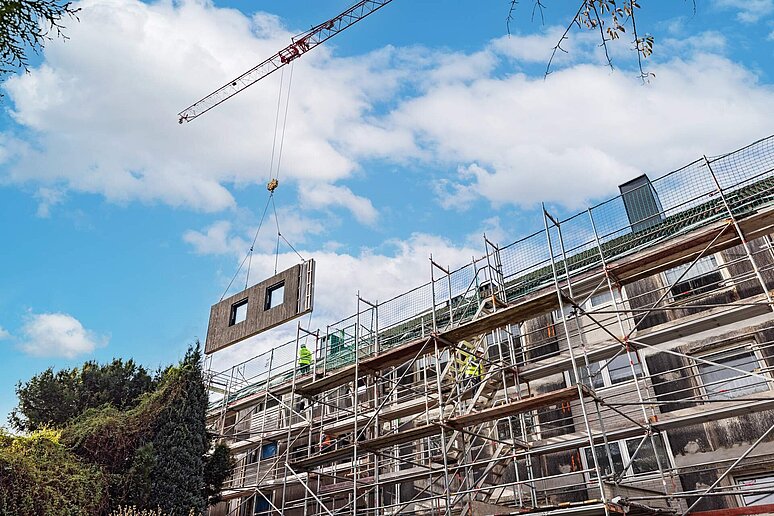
(567, 372)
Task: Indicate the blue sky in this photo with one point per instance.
(413, 132)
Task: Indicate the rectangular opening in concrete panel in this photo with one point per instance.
(275, 296)
(238, 312)
(263, 306)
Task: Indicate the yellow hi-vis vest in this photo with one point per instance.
(473, 368)
(304, 356)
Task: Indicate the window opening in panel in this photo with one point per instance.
(274, 296)
(238, 312)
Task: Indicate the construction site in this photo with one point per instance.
(618, 361)
(614, 361)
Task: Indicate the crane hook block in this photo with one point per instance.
(272, 185)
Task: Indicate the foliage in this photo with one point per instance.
(109, 437)
(217, 469)
(181, 439)
(138, 480)
(28, 24)
(53, 399)
(39, 476)
(148, 455)
(610, 18)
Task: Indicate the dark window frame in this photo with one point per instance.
(267, 304)
(232, 318)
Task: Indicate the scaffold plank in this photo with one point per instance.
(517, 407)
(433, 428)
(666, 421)
(373, 363)
(682, 248)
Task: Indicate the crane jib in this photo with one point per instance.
(296, 49)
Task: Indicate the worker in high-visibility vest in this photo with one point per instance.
(304, 359)
(473, 371)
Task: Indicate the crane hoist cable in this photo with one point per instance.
(281, 236)
(250, 252)
(276, 127)
(274, 178)
(271, 186)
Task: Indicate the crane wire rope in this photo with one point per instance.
(274, 181)
(281, 236)
(271, 186)
(276, 123)
(284, 120)
(250, 252)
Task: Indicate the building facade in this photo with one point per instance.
(618, 361)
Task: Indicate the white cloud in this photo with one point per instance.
(537, 48)
(322, 195)
(704, 42)
(58, 335)
(4, 334)
(48, 198)
(578, 134)
(749, 11)
(102, 111)
(102, 107)
(224, 237)
(215, 239)
(492, 229)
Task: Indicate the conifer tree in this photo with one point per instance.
(180, 441)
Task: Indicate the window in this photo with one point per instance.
(761, 482)
(275, 296)
(622, 453)
(618, 371)
(603, 297)
(703, 277)
(604, 460)
(645, 460)
(723, 383)
(589, 375)
(262, 505)
(268, 450)
(252, 456)
(497, 344)
(238, 312)
(299, 452)
(513, 425)
(566, 312)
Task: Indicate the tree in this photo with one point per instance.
(181, 440)
(609, 18)
(219, 466)
(52, 399)
(137, 441)
(28, 24)
(39, 476)
(155, 454)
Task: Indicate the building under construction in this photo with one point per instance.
(618, 361)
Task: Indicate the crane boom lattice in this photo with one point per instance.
(300, 45)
